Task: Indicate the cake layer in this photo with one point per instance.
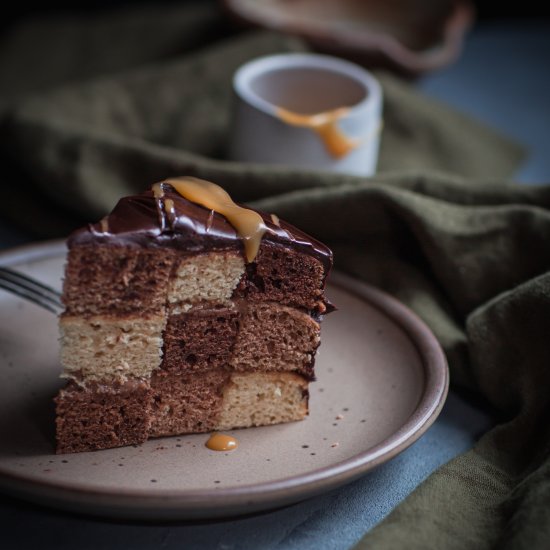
(116, 280)
(218, 400)
(275, 337)
(126, 258)
(105, 348)
(102, 416)
(247, 337)
(187, 403)
(199, 340)
(124, 280)
(283, 275)
(260, 399)
(210, 277)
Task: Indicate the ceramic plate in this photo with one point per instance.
(382, 381)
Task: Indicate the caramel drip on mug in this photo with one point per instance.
(325, 125)
(221, 442)
(249, 224)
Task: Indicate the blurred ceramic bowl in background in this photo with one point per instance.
(410, 37)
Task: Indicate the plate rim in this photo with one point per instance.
(229, 501)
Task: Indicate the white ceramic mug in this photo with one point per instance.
(309, 111)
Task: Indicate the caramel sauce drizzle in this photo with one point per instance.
(249, 224)
(221, 442)
(325, 125)
(158, 191)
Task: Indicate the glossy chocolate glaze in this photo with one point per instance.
(172, 221)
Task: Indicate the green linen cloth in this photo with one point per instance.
(80, 142)
(98, 108)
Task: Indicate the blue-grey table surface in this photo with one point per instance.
(503, 79)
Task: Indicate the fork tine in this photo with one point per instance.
(26, 281)
(29, 295)
(30, 289)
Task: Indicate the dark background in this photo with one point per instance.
(486, 9)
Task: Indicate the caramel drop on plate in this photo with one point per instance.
(249, 224)
(221, 442)
(326, 126)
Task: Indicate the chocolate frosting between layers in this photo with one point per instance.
(173, 221)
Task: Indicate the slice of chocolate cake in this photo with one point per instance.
(186, 313)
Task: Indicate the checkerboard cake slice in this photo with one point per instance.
(186, 313)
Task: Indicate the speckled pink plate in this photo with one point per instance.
(382, 381)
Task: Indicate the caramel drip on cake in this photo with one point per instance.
(249, 224)
(325, 125)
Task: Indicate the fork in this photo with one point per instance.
(30, 289)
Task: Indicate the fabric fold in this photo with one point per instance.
(85, 144)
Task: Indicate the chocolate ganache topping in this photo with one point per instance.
(162, 217)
